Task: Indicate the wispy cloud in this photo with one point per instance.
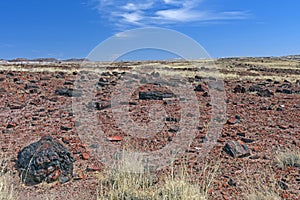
(6, 45)
(158, 12)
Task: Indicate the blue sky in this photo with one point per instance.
(72, 28)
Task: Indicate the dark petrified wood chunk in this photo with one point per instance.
(45, 160)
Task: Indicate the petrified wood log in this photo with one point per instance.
(46, 160)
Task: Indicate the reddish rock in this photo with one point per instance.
(78, 176)
(85, 156)
(93, 168)
(233, 120)
(115, 138)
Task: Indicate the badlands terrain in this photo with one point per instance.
(254, 130)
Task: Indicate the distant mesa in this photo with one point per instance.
(76, 60)
(47, 60)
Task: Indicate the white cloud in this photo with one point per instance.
(135, 7)
(180, 15)
(133, 18)
(157, 12)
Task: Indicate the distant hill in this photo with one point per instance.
(291, 57)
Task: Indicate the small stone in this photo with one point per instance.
(233, 120)
(284, 127)
(64, 179)
(174, 129)
(239, 89)
(241, 134)
(11, 125)
(231, 182)
(283, 185)
(93, 168)
(68, 92)
(65, 128)
(115, 138)
(201, 88)
(172, 119)
(30, 86)
(155, 95)
(265, 93)
(78, 176)
(2, 90)
(254, 157)
(247, 140)
(85, 156)
(15, 106)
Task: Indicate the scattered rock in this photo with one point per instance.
(45, 160)
(255, 88)
(241, 134)
(172, 119)
(85, 156)
(68, 92)
(284, 127)
(102, 82)
(234, 120)
(236, 149)
(247, 140)
(2, 90)
(60, 75)
(155, 95)
(239, 89)
(11, 125)
(263, 108)
(115, 138)
(68, 83)
(31, 86)
(201, 88)
(283, 185)
(15, 106)
(231, 182)
(155, 74)
(93, 168)
(174, 129)
(265, 93)
(65, 128)
(78, 176)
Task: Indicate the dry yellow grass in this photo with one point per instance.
(261, 185)
(119, 184)
(287, 158)
(6, 189)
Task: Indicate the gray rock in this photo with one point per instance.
(154, 95)
(68, 92)
(236, 149)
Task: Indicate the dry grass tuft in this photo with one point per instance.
(261, 185)
(119, 184)
(288, 159)
(6, 190)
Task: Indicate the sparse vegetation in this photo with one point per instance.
(6, 190)
(120, 184)
(261, 185)
(288, 159)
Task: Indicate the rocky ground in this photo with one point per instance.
(262, 119)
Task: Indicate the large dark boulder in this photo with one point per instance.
(46, 160)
